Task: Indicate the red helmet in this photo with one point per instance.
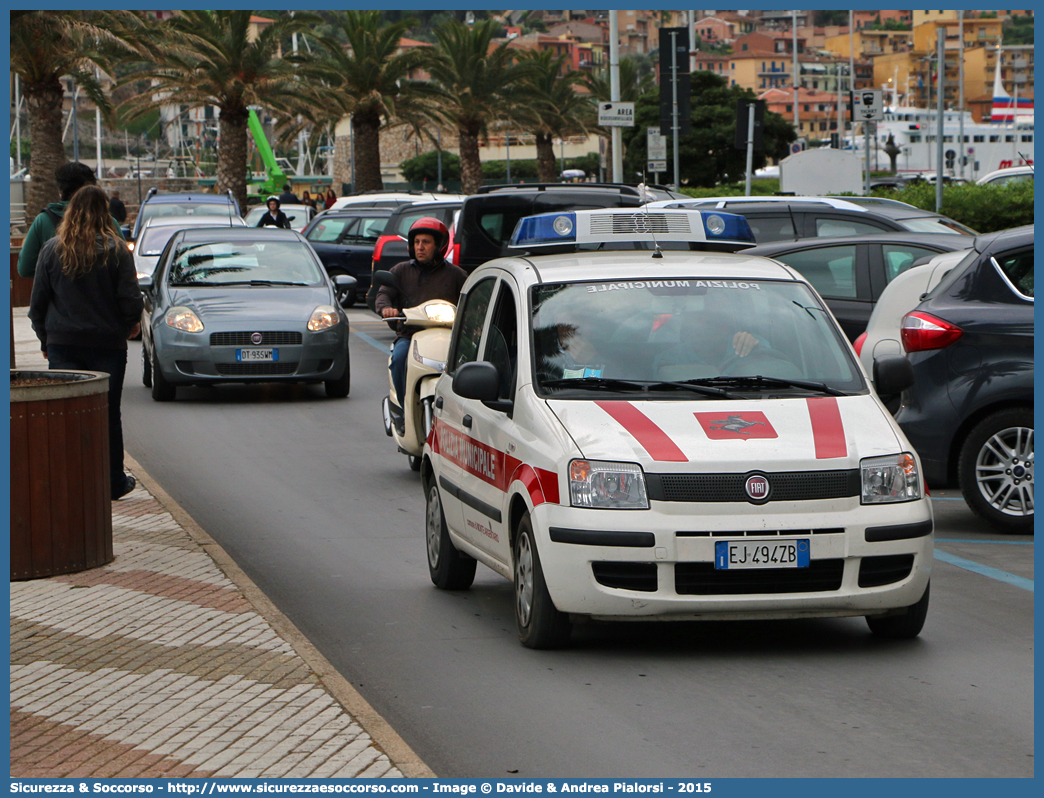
(433, 227)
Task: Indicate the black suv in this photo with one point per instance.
(189, 204)
(969, 412)
(488, 217)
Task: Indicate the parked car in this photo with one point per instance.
(190, 204)
(1001, 177)
(969, 412)
(850, 272)
(882, 337)
(299, 215)
(391, 247)
(158, 231)
(242, 305)
(388, 199)
(344, 241)
(793, 218)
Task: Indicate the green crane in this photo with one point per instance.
(276, 177)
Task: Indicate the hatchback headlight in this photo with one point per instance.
(323, 318)
(889, 479)
(605, 485)
(184, 319)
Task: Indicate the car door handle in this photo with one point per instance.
(466, 421)
(438, 402)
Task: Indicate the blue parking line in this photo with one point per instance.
(985, 570)
(372, 341)
(1002, 542)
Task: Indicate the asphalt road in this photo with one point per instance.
(308, 495)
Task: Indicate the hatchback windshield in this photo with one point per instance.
(599, 335)
(235, 263)
(153, 210)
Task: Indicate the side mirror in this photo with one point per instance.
(384, 279)
(481, 381)
(344, 281)
(290, 218)
(893, 374)
(145, 282)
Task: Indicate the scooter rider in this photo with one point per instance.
(426, 276)
(273, 217)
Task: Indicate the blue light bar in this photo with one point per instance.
(545, 228)
(726, 226)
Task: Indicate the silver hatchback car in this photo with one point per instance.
(241, 305)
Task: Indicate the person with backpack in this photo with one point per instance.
(71, 177)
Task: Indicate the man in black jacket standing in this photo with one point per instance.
(117, 208)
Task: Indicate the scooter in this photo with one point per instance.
(429, 348)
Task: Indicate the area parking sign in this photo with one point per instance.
(615, 114)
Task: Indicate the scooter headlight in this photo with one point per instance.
(441, 312)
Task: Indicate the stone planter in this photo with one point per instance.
(61, 512)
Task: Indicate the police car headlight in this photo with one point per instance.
(607, 486)
(323, 318)
(889, 479)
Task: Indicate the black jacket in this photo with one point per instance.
(420, 283)
(280, 219)
(97, 309)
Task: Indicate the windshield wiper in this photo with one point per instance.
(261, 282)
(646, 386)
(758, 381)
(596, 384)
(695, 386)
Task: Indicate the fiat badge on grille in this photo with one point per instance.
(758, 488)
(255, 338)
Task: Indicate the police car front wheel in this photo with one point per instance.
(540, 624)
(904, 626)
(449, 569)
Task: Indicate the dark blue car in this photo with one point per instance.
(969, 412)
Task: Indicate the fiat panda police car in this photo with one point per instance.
(630, 431)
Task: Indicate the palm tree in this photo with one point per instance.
(555, 109)
(634, 82)
(478, 83)
(202, 58)
(45, 46)
(368, 81)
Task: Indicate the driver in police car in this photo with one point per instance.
(422, 278)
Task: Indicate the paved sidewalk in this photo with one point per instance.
(169, 662)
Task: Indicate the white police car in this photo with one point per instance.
(651, 433)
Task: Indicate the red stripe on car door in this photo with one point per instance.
(653, 439)
(827, 430)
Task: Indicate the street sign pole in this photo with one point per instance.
(750, 145)
(674, 101)
(941, 92)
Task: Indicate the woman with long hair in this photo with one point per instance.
(86, 304)
(331, 198)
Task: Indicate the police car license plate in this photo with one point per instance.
(249, 355)
(733, 554)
